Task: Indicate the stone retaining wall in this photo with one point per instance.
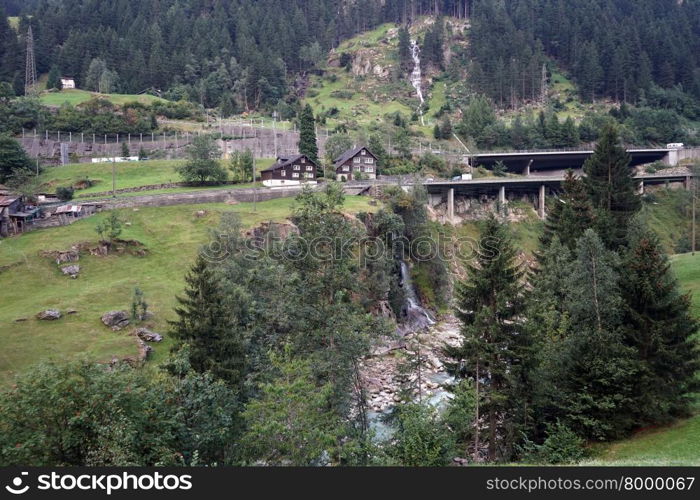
(198, 197)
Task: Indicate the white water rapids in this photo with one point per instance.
(416, 76)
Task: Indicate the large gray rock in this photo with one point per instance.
(49, 315)
(71, 270)
(147, 335)
(116, 320)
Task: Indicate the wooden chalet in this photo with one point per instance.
(356, 161)
(290, 171)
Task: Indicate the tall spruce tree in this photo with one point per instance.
(490, 303)
(612, 188)
(594, 371)
(570, 215)
(405, 56)
(206, 325)
(307, 133)
(660, 326)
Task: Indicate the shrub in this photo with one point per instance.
(562, 446)
(64, 193)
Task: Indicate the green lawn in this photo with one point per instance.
(678, 444)
(687, 268)
(77, 96)
(128, 174)
(32, 283)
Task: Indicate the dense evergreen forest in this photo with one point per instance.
(244, 55)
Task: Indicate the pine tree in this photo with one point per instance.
(54, 79)
(376, 146)
(570, 215)
(660, 326)
(594, 372)
(206, 325)
(307, 134)
(405, 56)
(612, 189)
(490, 303)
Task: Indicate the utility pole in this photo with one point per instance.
(694, 195)
(476, 417)
(255, 188)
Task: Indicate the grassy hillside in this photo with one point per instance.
(666, 212)
(372, 87)
(678, 444)
(76, 96)
(32, 283)
(128, 175)
(687, 268)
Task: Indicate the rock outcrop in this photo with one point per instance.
(116, 320)
(49, 315)
(71, 270)
(147, 335)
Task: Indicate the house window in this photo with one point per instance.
(369, 169)
(356, 160)
(363, 152)
(309, 168)
(309, 175)
(283, 173)
(303, 160)
(369, 160)
(297, 167)
(295, 174)
(346, 168)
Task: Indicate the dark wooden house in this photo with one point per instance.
(356, 161)
(290, 171)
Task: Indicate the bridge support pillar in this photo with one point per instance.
(527, 168)
(540, 210)
(686, 183)
(641, 187)
(451, 205)
(502, 196)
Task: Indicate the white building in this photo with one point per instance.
(67, 82)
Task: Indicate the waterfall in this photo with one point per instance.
(416, 77)
(417, 318)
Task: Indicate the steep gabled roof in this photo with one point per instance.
(6, 201)
(350, 153)
(283, 161)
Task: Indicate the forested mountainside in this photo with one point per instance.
(244, 54)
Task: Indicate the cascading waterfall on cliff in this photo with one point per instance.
(417, 318)
(416, 77)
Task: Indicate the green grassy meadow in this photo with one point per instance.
(128, 175)
(77, 96)
(32, 283)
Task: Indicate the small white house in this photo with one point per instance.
(67, 82)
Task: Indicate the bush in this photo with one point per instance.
(342, 94)
(562, 446)
(64, 193)
(420, 439)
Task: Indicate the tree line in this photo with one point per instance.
(596, 341)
